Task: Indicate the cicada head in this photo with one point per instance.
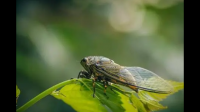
(86, 62)
(94, 60)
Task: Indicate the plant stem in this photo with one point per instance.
(42, 95)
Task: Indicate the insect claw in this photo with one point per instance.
(106, 95)
(93, 95)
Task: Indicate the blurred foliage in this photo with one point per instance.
(53, 36)
(17, 93)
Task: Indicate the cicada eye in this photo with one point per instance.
(84, 60)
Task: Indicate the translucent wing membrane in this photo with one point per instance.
(145, 80)
(136, 76)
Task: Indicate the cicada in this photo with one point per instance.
(136, 78)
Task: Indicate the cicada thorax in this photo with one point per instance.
(95, 71)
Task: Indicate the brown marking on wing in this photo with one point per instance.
(113, 81)
(97, 74)
(133, 88)
(121, 79)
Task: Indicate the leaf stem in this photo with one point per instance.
(42, 95)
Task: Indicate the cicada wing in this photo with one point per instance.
(110, 68)
(135, 76)
(145, 80)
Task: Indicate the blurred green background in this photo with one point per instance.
(53, 36)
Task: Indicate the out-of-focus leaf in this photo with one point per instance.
(159, 97)
(177, 85)
(151, 100)
(17, 93)
(152, 105)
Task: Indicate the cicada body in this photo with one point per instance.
(136, 78)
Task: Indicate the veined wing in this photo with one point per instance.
(135, 76)
(145, 80)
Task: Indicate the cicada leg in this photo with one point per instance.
(112, 90)
(93, 84)
(84, 74)
(105, 83)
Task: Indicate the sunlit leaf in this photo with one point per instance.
(79, 98)
(78, 94)
(151, 100)
(159, 97)
(138, 104)
(152, 105)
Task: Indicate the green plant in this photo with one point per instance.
(78, 94)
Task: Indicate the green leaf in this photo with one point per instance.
(151, 100)
(17, 93)
(152, 105)
(159, 97)
(78, 94)
(138, 104)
